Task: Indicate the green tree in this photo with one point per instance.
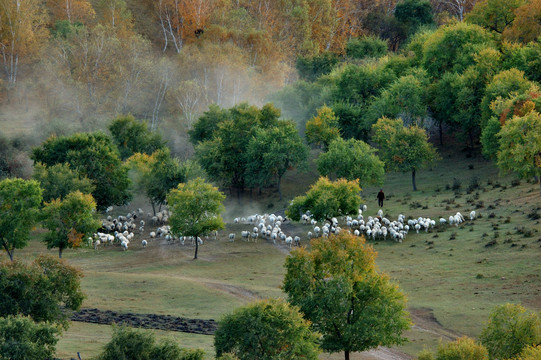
(463, 348)
(351, 122)
(366, 47)
(520, 146)
(23, 339)
(489, 138)
(352, 160)
(196, 208)
(413, 14)
(510, 330)
(272, 152)
(311, 68)
(406, 97)
(59, 180)
(526, 58)
(69, 221)
(19, 209)
(452, 48)
(404, 149)
(495, 15)
(44, 290)
(92, 155)
(204, 128)
(323, 128)
(337, 287)
(358, 84)
(268, 329)
(504, 84)
(133, 344)
(223, 156)
(326, 199)
(131, 136)
(158, 174)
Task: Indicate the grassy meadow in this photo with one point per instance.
(452, 276)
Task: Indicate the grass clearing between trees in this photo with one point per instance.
(452, 276)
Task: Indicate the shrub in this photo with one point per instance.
(366, 47)
(132, 344)
(269, 329)
(461, 349)
(510, 330)
(22, 339)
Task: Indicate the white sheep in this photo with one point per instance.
(472, 215)
(124, 245)
(232, 237)
(144, 243)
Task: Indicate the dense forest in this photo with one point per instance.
(73, 65)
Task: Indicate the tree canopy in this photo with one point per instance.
(92, 155)
(323, 128)
(59, 180)
(69, 221)
(510, 330)
(43, 290)
(520, 145)
(352, 160)
(158, 174)
(272, 152)
(336, 286)
(404, 149)
(228, 140)
(19, 210)
(196, 207)
(131, 136)
(326, 199)
(268, 329)
(23, 339)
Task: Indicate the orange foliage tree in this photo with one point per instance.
(71, 10)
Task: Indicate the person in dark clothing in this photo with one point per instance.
(381, 197)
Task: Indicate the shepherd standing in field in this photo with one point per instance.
(380, 197)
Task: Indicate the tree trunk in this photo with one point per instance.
(196, 246)
(413, 180)
(10, 253)
(346, 354)
(441, 133)
(280, 187)
(153, 207)
(60, 253)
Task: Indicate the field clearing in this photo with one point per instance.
(451, 276)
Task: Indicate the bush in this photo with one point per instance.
(132, 344)
(22, 339)
(510, 330)
(531, 353)
(269, 329)
(44, 290)
(366, 47)
(461, 349)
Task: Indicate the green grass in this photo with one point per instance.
(450, 274)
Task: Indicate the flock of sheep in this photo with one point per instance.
(377, 228)
(120, 230)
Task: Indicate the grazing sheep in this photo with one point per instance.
(144, 243)
(297, 241)
(472, 215)
(232, 237)
(124, 245)
(288, 241)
